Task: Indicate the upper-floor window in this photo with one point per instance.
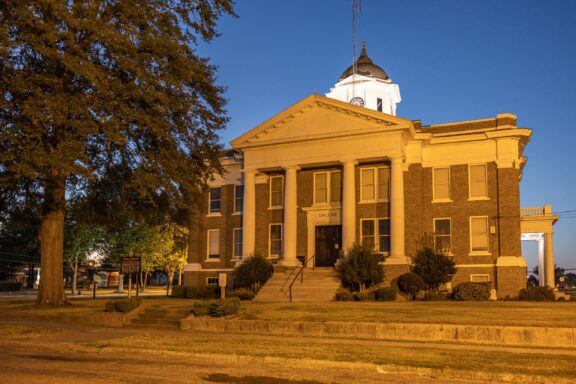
(441, 181)
(479, 234)
(379, 104)
(213, 244)
(375, 184)
(375, 233)
(327, 187)
(237, 243)
(238, 198)
(478, 180)
(215, 200)
(442, 235)
(276, 191)
(275, 240)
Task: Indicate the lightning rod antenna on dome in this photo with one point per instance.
(356, 9)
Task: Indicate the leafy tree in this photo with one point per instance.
(92, 90)
(433, 267)
(533, 281)
(253, 273)
(360, 268)
(79, 242)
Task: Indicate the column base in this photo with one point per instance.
(289, 263)
(396, 260)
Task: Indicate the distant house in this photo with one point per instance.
(343, 168)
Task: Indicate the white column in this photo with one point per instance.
(398, 255)
(541, 264)
(348, 204)
(290, 217)
(549, 260)
(249, 214)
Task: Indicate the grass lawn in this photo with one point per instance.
(539, 314)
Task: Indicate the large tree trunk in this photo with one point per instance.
(51, 289)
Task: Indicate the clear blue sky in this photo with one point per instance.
(453, 60)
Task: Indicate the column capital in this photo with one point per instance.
(353, 162)
(249, 170)
(291, 168)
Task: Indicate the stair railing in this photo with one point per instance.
(300, 272)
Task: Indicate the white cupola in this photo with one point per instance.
(367, 85)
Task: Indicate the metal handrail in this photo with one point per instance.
(301, 273)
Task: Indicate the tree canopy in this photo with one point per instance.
(105, 93)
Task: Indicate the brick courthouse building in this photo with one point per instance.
(343, 168)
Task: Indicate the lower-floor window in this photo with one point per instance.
(212, 281)
(442, 235)
(275, 240)
(375, 233)
(237, 243)
(479, 234)
(213, 244)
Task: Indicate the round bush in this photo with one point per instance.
(537, 294)
(410, 283)
(362, 296)
(384, 294)
(471, 292)
(253, 273)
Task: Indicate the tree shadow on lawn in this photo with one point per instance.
(224, 378)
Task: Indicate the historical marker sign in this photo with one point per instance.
(130, 265)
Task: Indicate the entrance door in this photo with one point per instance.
(328, 245)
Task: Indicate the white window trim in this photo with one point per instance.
(270, 255)
(479, 253)
(237, 212)
(377, 234)
(219, 212)
(329, 189)
(443, 200)
(480, 274)
(212, 285)
(208, 259)
(477, 198)
(235, 257)
(270, 206)
(450, 253)
(376, 199)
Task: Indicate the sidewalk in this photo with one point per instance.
(27, 294)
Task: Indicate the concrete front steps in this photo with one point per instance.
(161, 316)
(319, 285)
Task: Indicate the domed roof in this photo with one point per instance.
(364, 67)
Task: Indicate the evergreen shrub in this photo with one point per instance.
(360, 268)
(537, 294)
(343, 295)
(217, 308)
(123, 305)
(253, 273)
(410, 284)
(470, 291)
(384, 294)
(244, 294)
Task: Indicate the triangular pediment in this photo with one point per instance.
(316, 118)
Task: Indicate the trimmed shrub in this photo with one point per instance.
(253, 273)
(6, 286)
(537, 294)
(360, 268)
(178, 291)
(384, 294)
(343, 295)
(432, 265)
(123, 305)
(217, 308)
(470, 291)
(410, 284)
(202, 292)
(363, 296)
(244, 294)
(435, 296)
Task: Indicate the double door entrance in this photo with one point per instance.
(328, 245)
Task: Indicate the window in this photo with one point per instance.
(442, 235)
(238, 198)
(480, 278)
(376, 234)
(275, 240)
(212, 281)
(213, 244)
(237, 243)
(327, 187)
(375, 184)
(478, 181)
(215, 200)
(379, 104)
(479, 234)
(441, 181)
(276, 191)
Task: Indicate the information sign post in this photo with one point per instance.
(130, 265)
